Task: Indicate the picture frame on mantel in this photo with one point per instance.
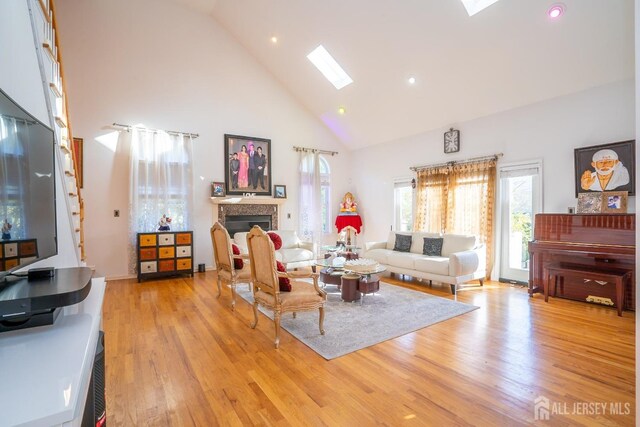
(606, 167)
(247, 167)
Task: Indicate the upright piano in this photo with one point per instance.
(591, 240)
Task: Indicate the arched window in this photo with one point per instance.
(325, 195)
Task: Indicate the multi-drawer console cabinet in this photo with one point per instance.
(17, 252)
(165, 253)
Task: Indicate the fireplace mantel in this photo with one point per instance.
(223, 206)
(247, 201)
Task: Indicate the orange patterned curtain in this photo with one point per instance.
(458, 198)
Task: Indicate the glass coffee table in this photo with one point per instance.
(352, 285)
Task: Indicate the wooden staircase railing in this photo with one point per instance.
(57, 86)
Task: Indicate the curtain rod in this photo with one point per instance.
(314, 150)
(170, 132)
(456, 162)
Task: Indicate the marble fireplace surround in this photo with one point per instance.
(232, 210)
(223, 206)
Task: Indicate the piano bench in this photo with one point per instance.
(553, 271)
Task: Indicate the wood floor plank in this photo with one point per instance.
(177, 355)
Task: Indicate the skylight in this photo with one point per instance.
(475, 6)
(329, 67)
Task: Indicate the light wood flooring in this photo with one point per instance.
(176, 355)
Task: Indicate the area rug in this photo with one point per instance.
(390, 313)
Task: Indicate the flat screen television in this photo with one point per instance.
(27, 189)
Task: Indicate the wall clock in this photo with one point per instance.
(452, 141)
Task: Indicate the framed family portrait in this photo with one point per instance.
(217, 189)
(280, 191)
(607, 167)
(247, 165)
(614, 202)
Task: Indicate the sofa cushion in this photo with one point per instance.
(403, 259)
(436, 265)
(457, 243)
(240, 239)
(379, 255)
(432, 246)
(391, 240)
(289, 238)
(417, 240)
(403, 243)
(294, 255)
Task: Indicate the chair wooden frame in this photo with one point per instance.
(223, 257)
(266, 289)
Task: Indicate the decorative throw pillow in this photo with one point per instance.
(285, 283)
(403, 243)
(237, 263)
(277, 240)
(432, 246)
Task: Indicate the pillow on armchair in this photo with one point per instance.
(238, 264)
(277, 240)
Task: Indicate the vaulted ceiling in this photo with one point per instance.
(509, 55)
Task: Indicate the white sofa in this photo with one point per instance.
(462, 260)
(294, 253)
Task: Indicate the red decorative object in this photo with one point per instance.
(277, 240)
(285, 283)
(349, 221)
(354, 221)
(237, 263)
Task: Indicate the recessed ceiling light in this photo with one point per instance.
(412, 80)
(556, 10)
(475, 6)
(342, 110)
(274, 39)
(329, 67)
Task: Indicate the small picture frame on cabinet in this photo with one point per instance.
(589, 203)
(614, 201)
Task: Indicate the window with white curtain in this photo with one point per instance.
(325, 195)
(161, 181)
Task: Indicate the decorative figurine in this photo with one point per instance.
(6, 230)
(348, 203)
(164, 224)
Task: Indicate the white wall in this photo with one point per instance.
(162, 65)
(20, 79)
(549, 130)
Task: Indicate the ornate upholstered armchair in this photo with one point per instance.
(266, 290)
(224, 259)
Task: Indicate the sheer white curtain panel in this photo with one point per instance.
(161, 182)
(310, 220)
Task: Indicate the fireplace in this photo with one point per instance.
(239, 223)
(237, 218)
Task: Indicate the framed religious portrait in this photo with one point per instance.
(607, 167)
(614, 202)
(247, 165)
